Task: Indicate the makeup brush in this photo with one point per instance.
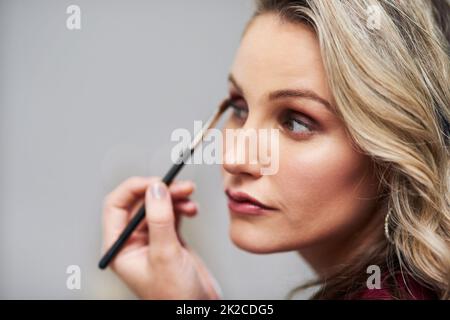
(168, 178)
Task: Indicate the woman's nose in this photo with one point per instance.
(241, 152)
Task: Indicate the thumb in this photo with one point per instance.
(160, 219)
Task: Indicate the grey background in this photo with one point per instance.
(82, 110)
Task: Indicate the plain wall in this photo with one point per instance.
(82, 110)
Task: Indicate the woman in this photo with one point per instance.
(360, 93)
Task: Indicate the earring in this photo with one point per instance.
(386, 225)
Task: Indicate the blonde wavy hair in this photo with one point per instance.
(391, 85)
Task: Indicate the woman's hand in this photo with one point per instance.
(154, 262)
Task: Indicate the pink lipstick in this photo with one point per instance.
(241, 202)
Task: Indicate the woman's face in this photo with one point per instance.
(324, 190)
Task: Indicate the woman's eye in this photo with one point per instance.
(239, 112)
(296, 125)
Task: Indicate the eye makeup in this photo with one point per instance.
(295, 123)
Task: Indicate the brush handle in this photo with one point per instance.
(168, 178)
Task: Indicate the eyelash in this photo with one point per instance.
(285, 117)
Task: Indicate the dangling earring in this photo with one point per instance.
(386, 226)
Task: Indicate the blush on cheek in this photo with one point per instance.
(324, 178)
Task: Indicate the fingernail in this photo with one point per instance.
(158, 191)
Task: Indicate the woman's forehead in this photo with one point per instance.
(275, 55)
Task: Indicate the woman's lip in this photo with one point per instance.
(245, 207)
(242, 202)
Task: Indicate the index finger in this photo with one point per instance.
(118, 205)
(128, 192)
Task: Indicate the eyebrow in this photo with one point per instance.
(289, 93)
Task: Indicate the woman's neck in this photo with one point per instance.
(327, 257)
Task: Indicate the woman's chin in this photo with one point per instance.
(253, 239)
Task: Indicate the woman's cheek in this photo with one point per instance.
(320, 182)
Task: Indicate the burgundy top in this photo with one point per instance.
(412, 290)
